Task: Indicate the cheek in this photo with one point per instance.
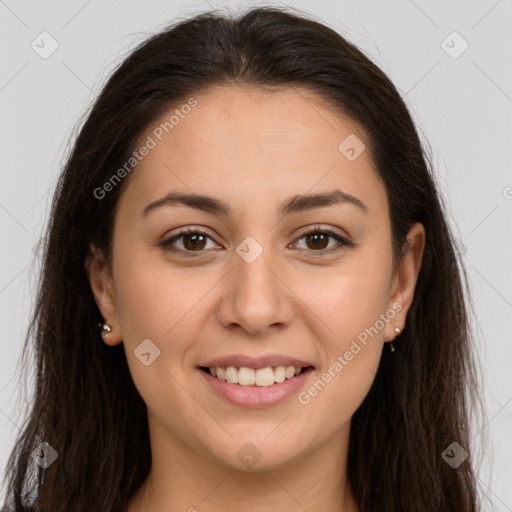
(349, 298)
(149, 300)
(142, 305)
(351, 340)
(161, 302)
(154, 304)
(351, 303)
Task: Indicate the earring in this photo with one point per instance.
(398, 331)
(105, 329)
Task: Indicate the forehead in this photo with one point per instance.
(240, 143)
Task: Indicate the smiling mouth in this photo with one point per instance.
(263, 377)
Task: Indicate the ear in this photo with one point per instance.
(405, 278)
(99, 273)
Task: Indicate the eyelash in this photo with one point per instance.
(344, 242)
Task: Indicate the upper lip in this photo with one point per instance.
(239, 360)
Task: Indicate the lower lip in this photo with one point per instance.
(257, 396)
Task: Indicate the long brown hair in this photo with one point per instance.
(85, 404)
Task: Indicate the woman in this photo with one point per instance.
(248, 216)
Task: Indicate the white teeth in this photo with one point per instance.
(262, 377)
(289, 372)
(246, 376)
(279, 374)
(232, 375)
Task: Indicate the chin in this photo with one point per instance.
(258, 452)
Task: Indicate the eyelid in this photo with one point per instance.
(189, 230)
(343, 241)
(324, 229)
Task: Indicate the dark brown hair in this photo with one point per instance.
(85, 403)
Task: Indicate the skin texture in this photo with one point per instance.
(252, 148)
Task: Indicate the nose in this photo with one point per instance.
(256, 296)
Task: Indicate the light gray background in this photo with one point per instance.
(462, 107)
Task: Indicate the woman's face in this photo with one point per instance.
(254, 285)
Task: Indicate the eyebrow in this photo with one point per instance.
(294, 204)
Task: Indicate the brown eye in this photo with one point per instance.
(188, 242)
(194, 241)
(317, 241)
